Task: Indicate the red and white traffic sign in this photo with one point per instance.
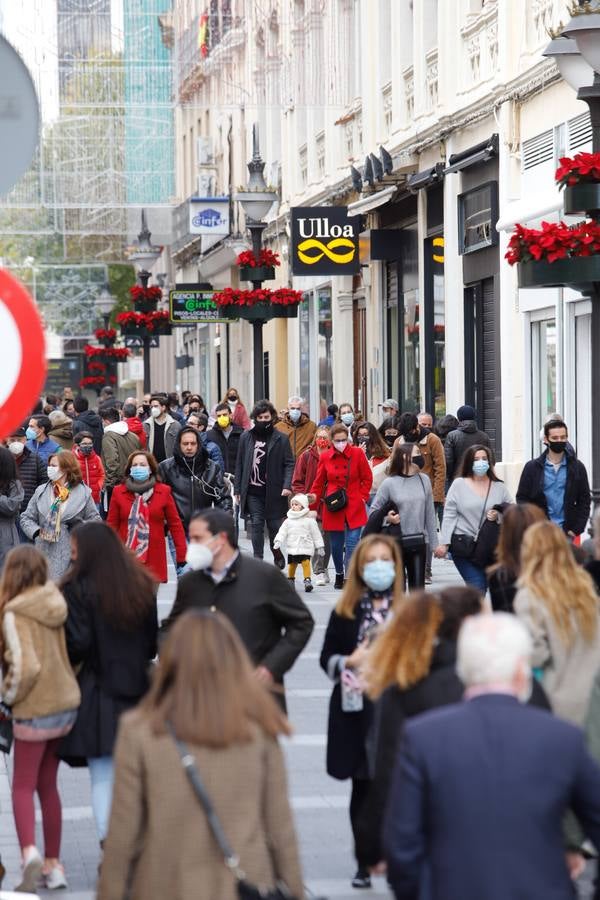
(22, 353)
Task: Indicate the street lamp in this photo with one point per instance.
(145, 255)
(256, 202)
(577, 54)
(104, 304)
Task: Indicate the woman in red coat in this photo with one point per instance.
(347, 467)
(92, 470)
(140, 508)
(304, 475)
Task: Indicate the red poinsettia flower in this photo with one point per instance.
(234, 297)
(583, 167)
(554, 240)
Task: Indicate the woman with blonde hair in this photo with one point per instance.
(159, 843)
(239, 413)
(557, 602)
(41, 688)
(375, 585)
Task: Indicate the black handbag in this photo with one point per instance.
(6, 728)
(338, 499)
(245, 890)
(464, 546)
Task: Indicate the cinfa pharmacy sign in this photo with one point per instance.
(209, 215)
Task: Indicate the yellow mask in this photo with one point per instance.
(223, 421)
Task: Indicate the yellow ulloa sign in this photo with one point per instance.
(324, 241)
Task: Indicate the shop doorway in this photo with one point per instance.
(482, 358)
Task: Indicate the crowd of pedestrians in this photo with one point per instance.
(93, 503)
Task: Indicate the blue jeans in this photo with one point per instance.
(102, 777)
(472, 574)
(348, 539)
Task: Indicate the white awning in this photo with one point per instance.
(372, 201)
(529, 208)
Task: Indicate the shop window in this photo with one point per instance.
(324, 339)
(435, 327)
(544, 376)
(477, 217)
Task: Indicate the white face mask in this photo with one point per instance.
(155, 411)
(16, 448)
(53, 473)
(340, 445)
(199, 556)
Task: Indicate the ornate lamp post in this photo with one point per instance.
(256, 202)
(577, 55)
(104, 304)
(145, 255)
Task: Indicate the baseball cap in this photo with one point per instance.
(18, 432)
(391, 403)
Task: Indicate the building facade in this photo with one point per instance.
(472, 119)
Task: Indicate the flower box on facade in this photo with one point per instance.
(260, 311)
(581, 198)
(257, 273)
(577, 272)
(144, 305)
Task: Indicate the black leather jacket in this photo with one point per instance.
(196, 483)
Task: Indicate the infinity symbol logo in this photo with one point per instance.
(328, 250)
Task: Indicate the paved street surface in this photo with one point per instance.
(320, 803)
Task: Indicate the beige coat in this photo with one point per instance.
(568, 672)
(38, 677)
(159, 837)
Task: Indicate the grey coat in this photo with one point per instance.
(10, 506)
(79, 508)
(413, 499)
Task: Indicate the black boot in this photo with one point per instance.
(339, 581)
(362, 879)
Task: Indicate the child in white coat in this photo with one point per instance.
(301, 536)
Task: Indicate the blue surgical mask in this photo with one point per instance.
(347, 418)
(140, 473)
(295, 414)
(31, 434)
(481, 467)
(379, 574)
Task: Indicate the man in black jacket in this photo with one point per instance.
(557, 482)
(226, 436)
(466, 435)
(87, 420)
(195, 480)
(271, 619)
(263, 478)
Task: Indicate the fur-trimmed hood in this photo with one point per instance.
(44, 604)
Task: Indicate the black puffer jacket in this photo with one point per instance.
(228, 446)
(31, 472)
(577, 491)
(196, 482)
(90, 421)
(457, 442)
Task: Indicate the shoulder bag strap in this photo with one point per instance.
(484, 506)
(421, 477)
(191, 770)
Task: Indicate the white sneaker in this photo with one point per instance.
(55, 879)
(32, 870)
(327, 578)
(321, 580)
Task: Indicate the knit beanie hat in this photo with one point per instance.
(465, 414)
(302, 499)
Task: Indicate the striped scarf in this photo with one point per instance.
(50, 528)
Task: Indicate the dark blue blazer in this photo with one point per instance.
(478, 796)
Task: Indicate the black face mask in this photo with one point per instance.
(362, 440)
(418, 461)
(263, 428)
(557, 446)
(390, 439)
(86, 450)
